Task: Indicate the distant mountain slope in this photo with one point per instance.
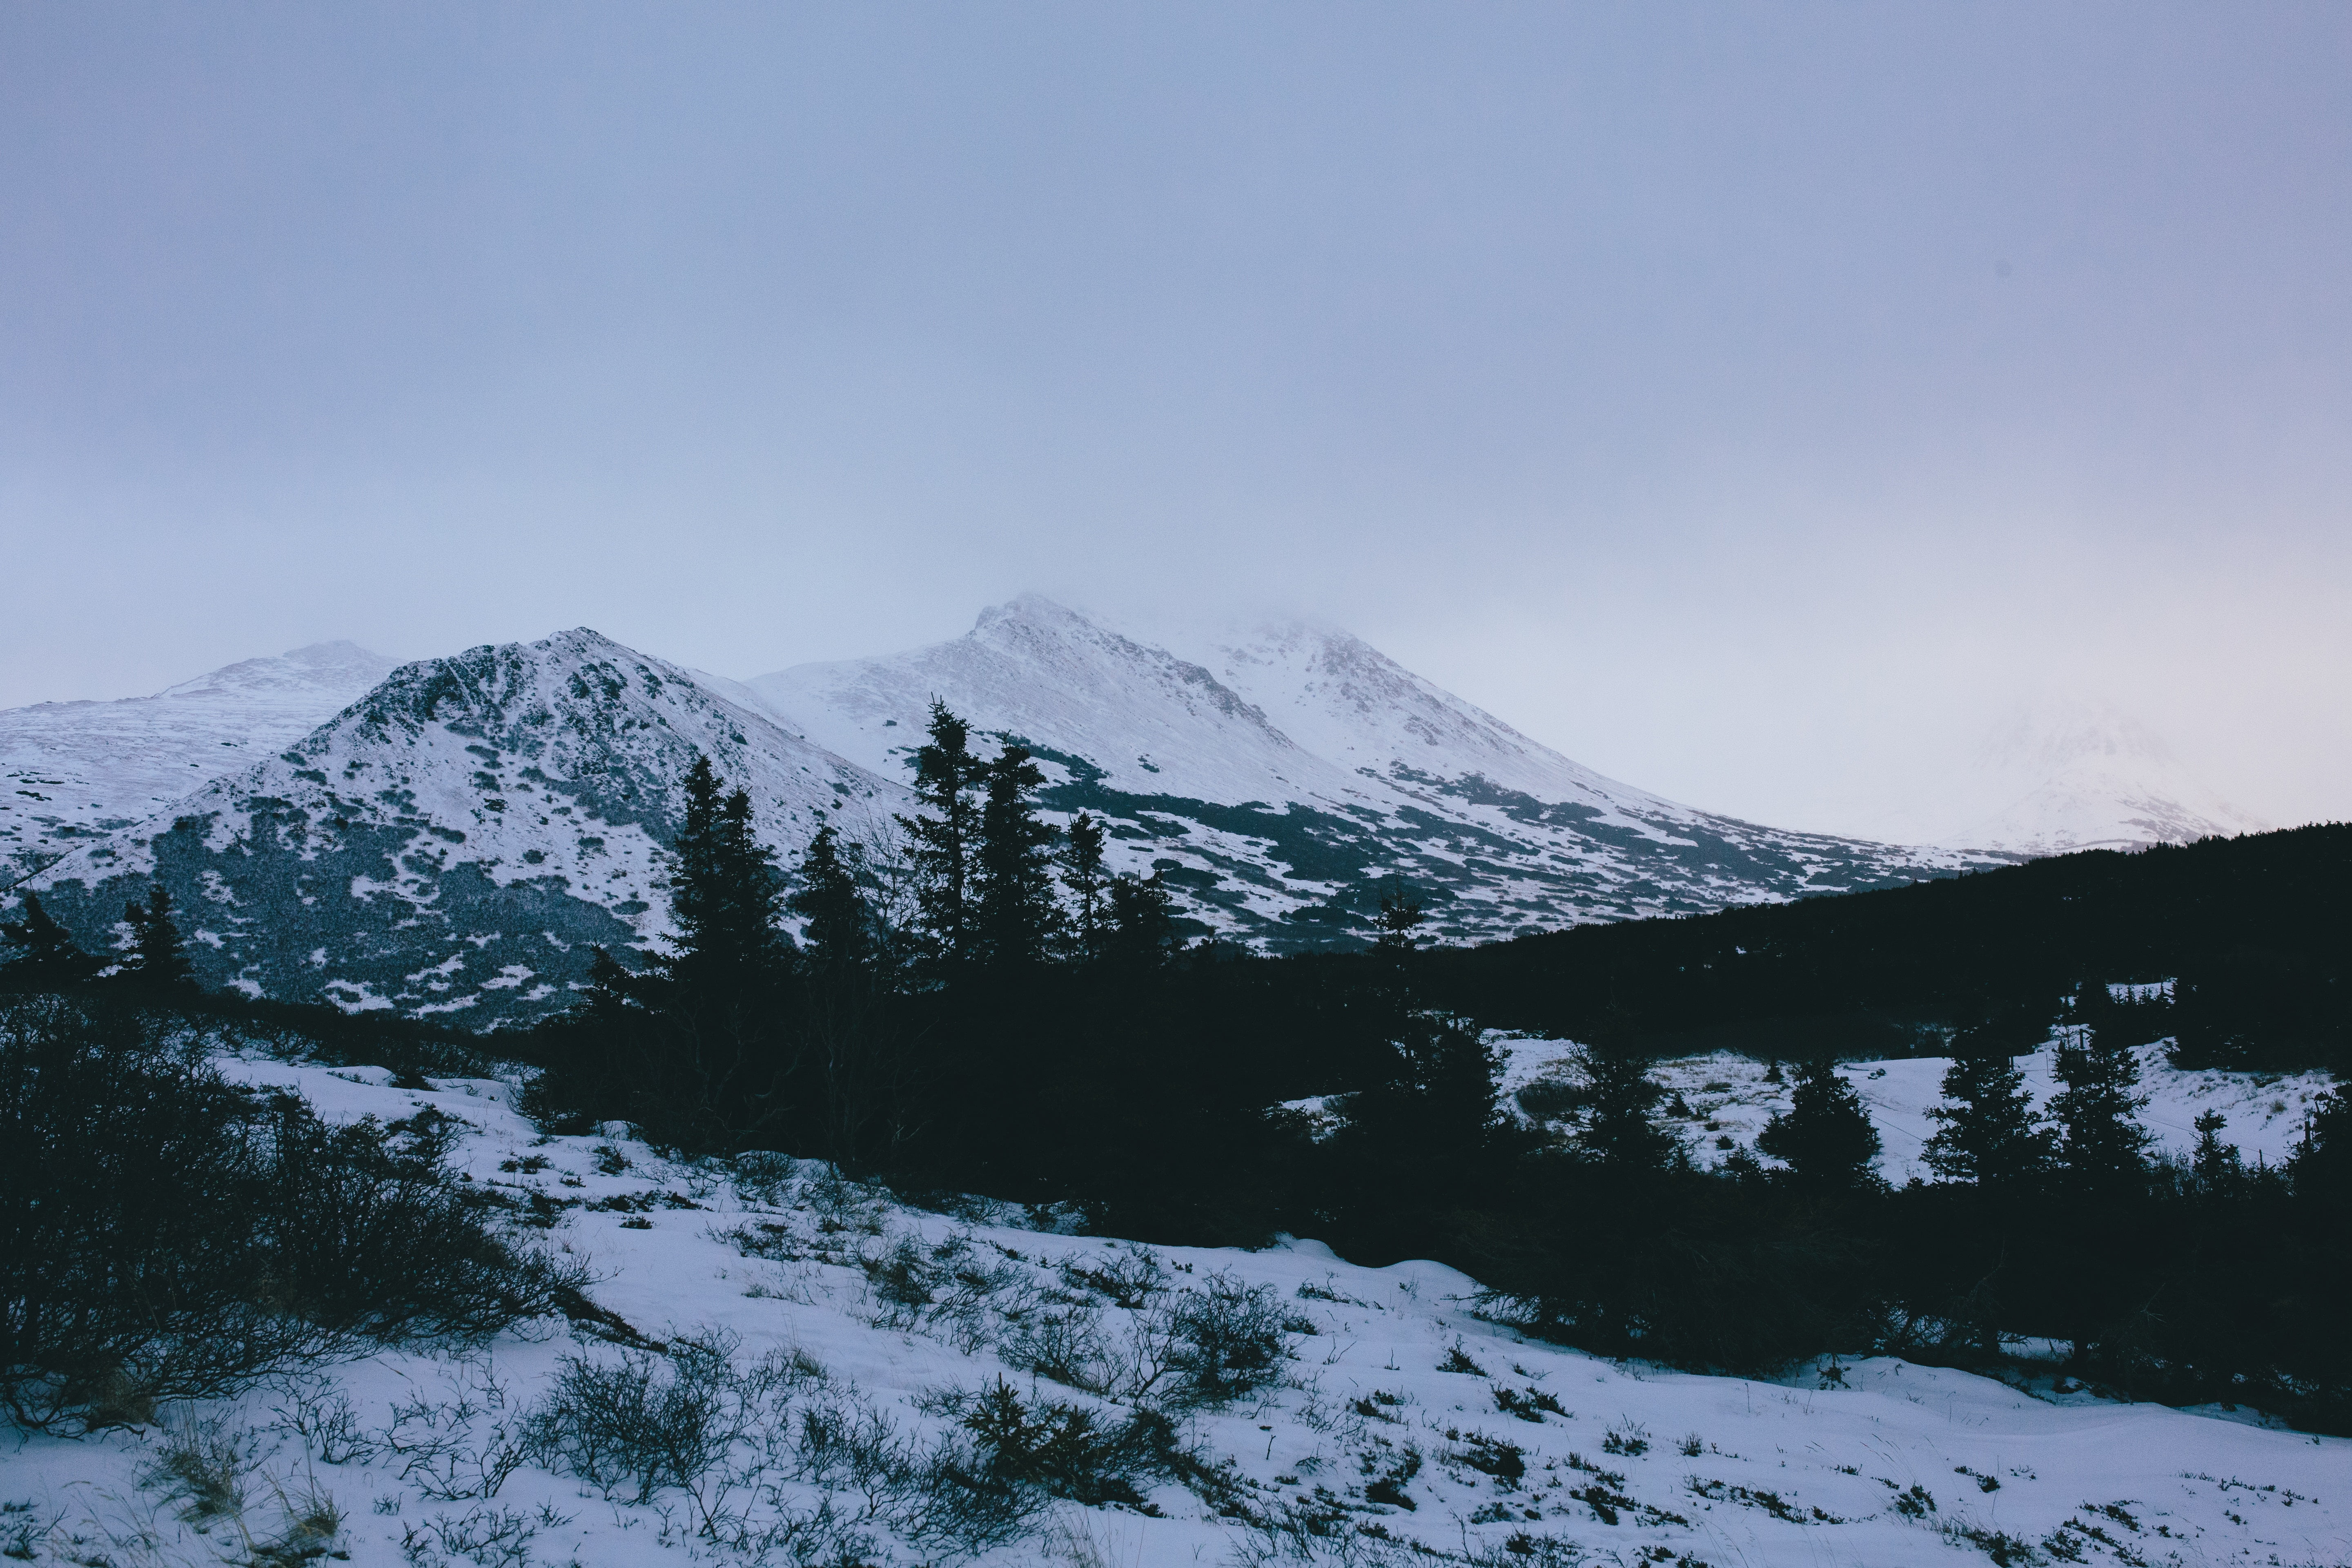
(1283, 790)
(2083, 777)
(73, 772)
(455, 840)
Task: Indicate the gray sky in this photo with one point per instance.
(1750, 402)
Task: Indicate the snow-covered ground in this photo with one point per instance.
(1729, 1097)
(1402, 1425)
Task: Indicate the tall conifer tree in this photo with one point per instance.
(726, 896)
(1083, 874)
(839, 934)
(1016, 909)
(1988, 1135)
(2103, 1144)
(1143, 928)
(47, 957)
(944, 831)
(1825, 1135)
(159, 960)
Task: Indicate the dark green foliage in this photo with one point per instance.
(1825, 1136)
(1621, 1132)
(1142, 929)
(1089, 887)
(945, 832)
(2256, 929)
(158, 961)
(1015, 917)
(725, 897)
(166, 1235)
(839, 933)
(47, 958)
(1400, 915)
(1988, 1134)
(2101, 1143)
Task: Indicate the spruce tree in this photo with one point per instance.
(1400, 915)
(1988, 1136)
(944, 832)
(1016, 913)
(1621, 1132)
(159, 960)
(1142, 929)
(2217, 1166)
(726, 896)
(838, 935)
(2102, 1144)
(1824, 1136)
(48, 958)
(1083, 874)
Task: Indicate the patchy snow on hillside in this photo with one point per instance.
(850, 1345)
(71, 772)
(1722, 1096)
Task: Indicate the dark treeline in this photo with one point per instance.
(980, 1006)
(2257, 931)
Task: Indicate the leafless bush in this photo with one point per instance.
(462, 1447)
(486, 1537)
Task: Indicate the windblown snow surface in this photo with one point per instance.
(1404, 1426)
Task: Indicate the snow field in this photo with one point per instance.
(1401, 1425)
(1729, 1095)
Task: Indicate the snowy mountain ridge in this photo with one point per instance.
(457, 838)
(2082, 776)
(71, 772)
(1282, 780)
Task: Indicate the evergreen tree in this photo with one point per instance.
(839, 933)
(1143, 928)
(945, 832)
(2217, 1166)
(1401, 914)
(1988, 1135)
(48, 958)
(1620, 1134)
(2101, 1145)
(1016, 912)
(2321, 1166)
(726, 896)
(159, 961)
(1083, 874)
(1825, 1136)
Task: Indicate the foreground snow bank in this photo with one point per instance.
(853, 1343)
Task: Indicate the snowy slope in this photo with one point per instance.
(455, 841)
(1281, 783)
(1729, 1096)
(2084, 777)
(1608, 1463)
(71, 772)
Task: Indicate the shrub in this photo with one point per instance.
(1228, 1339)
(166, 1235)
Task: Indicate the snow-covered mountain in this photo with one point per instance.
(455, 840)
(1280, 782)
(73, 772)
(2084, 777)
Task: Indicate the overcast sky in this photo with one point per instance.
(1750, 402)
